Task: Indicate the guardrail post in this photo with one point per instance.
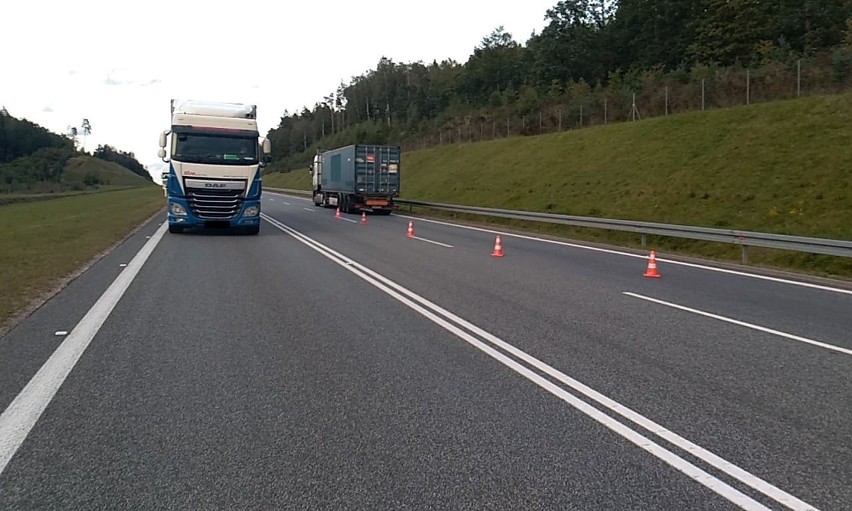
(745, 254)
(643, 241)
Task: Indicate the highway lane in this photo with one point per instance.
(218, 386)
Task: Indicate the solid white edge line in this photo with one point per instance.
(672, 459)
(18, 419)
(742, 323)
(639, 256)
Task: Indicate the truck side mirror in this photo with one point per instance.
(162, 152)
(267, 150)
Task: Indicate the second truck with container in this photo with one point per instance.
(360, 177)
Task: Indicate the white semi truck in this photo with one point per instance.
(215, 157)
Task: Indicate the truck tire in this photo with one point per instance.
(175, 229)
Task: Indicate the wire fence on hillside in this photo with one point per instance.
(651, 94)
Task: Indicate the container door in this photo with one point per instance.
(378, 169)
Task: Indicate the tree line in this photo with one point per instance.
(587, 49)
(20, 137)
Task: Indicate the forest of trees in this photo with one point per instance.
(20, 137)
(592, 54)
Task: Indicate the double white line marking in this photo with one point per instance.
(487, 343)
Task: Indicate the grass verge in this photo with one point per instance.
(44, 242)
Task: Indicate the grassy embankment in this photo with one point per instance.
(44, 241)
(778, 167)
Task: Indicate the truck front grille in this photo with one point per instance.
(215, 204)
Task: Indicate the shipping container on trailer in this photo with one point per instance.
(360, 177)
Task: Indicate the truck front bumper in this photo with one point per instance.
(180, 214)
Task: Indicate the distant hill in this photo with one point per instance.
(88, 171)
(33, 160)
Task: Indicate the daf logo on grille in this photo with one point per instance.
(215, 185)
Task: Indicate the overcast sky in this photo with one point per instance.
(117, 63)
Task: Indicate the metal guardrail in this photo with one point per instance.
(745, 239)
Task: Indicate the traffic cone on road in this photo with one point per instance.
(498, 247)
(652, 266)
(363, 217)
(337, 215)
(410, 228)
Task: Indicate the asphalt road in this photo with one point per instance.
(328, 364)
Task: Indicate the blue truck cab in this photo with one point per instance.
(216, 157)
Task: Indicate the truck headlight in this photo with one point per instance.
(251, 211)
(177, 209)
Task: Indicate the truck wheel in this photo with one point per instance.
(175, 229)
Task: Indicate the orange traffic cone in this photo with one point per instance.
(410, 228)
(363, 217)
(498, 247)
(337, 215)
(652, 266)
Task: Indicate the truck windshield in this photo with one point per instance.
(220, 149)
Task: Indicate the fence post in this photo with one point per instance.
(507, 127)
(702, 94)
(605, 112)
(748, 86)
(633, 108)
(560, 117)
(581, 116)
(667, 100)
(799, 78)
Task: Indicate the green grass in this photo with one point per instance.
(298, 179)
(43, 242)
(778, 167)
(16, 198)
